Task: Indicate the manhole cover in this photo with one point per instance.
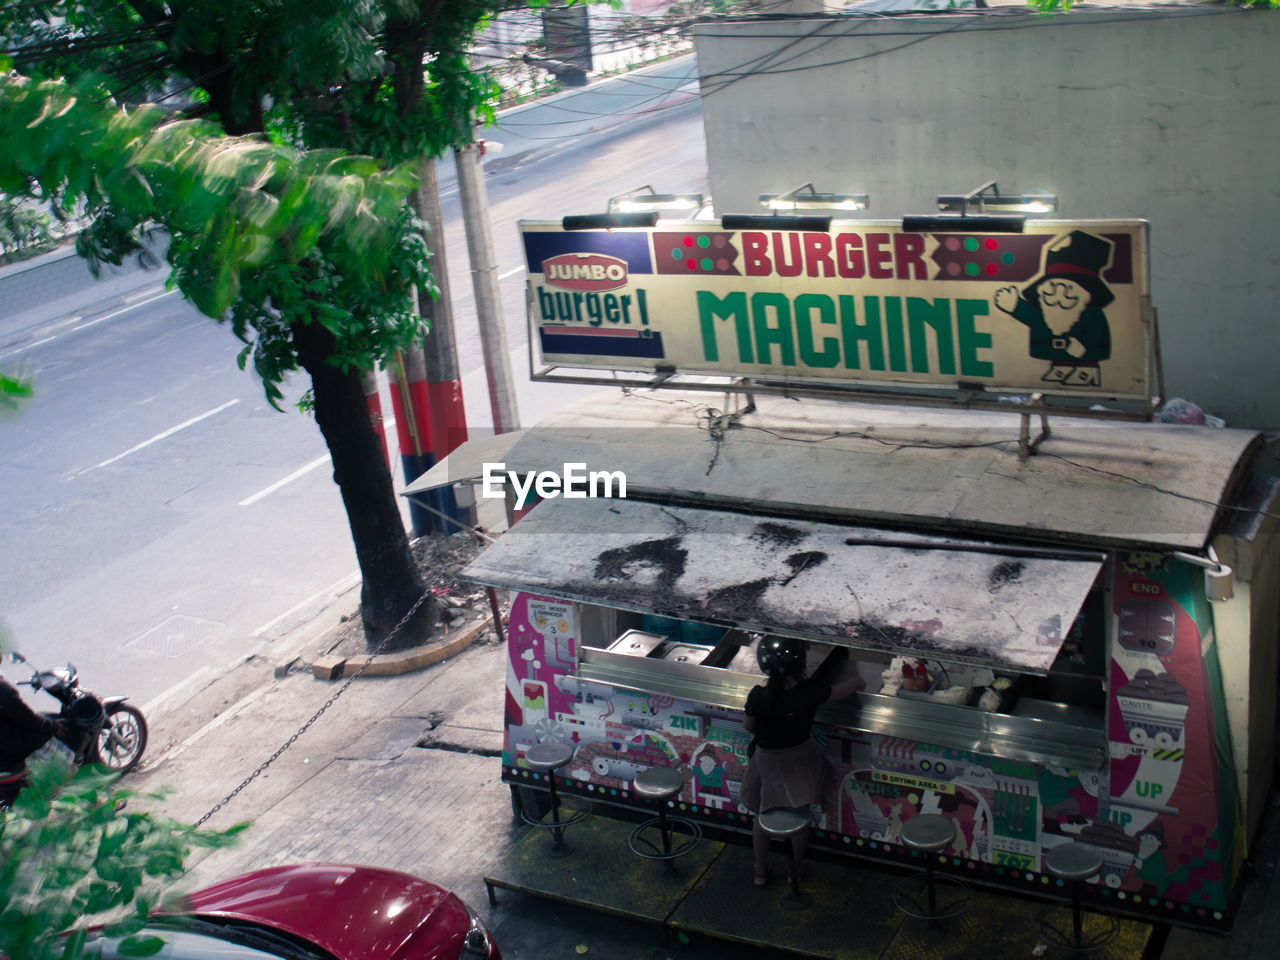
(175, 636)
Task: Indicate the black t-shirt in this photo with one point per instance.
(22, 730)
(789, 726)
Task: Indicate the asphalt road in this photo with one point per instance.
(161, 519)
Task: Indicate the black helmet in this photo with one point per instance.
(780, 656)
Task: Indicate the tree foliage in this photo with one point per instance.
(388, 78)
(257, 229)
(71, 851)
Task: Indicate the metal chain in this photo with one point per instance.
(316, 716)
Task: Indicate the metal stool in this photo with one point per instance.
(929, 834)
(783, 823)
(1075, 862)
(547, 758)
(661, 784)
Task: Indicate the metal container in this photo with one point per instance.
(683, 653)
(637, 643)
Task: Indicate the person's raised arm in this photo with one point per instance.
(843, 689)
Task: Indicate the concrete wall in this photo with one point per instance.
(1165, 113)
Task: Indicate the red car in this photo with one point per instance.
(322, 911)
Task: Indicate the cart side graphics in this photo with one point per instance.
(1171, 810)
(1150, 811)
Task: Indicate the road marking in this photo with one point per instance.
(147, 291)
(323, 598)
(70, 320)
(179, 688)
(116, 313)
(29, 346)
(156, 439)
(510, 273)
(300, 472)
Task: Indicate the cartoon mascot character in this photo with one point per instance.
(1063, 309)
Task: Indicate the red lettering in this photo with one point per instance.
(908, 250)
(792, 268)
(817, 253)
(754, 247)
(849, 255)
(878, 258)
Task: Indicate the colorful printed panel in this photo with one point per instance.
(1153, 813)
(1170, 827)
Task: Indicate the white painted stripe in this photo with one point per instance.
(300, 472)
(179, 689)
(157, 438)
(116, 313)
(323, 598)
(29, 346)
(387, 424)
(76, 318)
(146, 292)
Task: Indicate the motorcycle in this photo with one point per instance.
(104, 730)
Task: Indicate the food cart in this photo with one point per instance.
(1065, 638)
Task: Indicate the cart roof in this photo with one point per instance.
(1094, 483)
(993, 604)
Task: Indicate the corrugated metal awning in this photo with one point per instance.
(957, 600)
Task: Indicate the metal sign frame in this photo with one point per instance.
(958, 392)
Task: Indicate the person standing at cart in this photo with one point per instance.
(787, 767)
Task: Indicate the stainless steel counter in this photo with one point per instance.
(1039, 731)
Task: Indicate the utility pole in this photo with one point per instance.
(446, 413)
(408, 375)
(373, 402)
(484, 279)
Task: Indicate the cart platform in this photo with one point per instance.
(845, 911)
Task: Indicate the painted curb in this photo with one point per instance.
(403, 661)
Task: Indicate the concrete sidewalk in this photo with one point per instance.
(404, 771)
(360, 786)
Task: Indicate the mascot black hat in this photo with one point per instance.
(1081, 257)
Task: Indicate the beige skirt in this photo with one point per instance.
(792, 777)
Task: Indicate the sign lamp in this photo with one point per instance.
(996, 212)
(796, 199)
(637, 201)
(636, 209)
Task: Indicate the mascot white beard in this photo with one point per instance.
(1062, 306)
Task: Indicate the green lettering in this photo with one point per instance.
(733, 307)
(546, 304)
(593, 309)
(893, 328)
(969, 340)
(761, 304)
(852, 332)
(805, 305)
(937, 315)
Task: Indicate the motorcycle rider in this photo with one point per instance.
(22, 732)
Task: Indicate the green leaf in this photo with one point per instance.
(143, 945)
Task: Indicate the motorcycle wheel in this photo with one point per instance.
(123, 738)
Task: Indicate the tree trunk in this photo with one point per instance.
(391, 582)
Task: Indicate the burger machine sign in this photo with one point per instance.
(1062, 308)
